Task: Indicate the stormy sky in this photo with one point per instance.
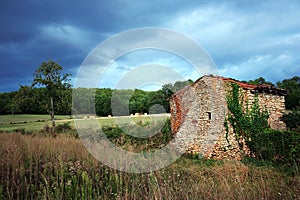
(245, 39)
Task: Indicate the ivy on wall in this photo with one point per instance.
(247, 120)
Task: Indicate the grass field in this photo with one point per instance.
(46, 166)
(28, 122)
(61, 168)
(11, 123)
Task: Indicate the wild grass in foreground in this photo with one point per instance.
(61, 168)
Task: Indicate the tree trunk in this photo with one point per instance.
(52, 113)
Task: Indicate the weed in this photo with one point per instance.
(61, 168)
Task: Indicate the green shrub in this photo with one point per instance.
(63, 127)
(292, 119)
(278, 146)
(119, 137)
(21, 130)
(112, 132)
(166, 130)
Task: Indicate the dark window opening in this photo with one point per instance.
(209, 115)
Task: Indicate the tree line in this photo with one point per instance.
(51, 91)
(28, 100)
(291, 85)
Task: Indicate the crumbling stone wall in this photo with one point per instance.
(198, 114)
(275, 105)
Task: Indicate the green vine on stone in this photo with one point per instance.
(227, 130)
(247, 121)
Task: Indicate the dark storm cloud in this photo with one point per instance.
(34, 31)
(239, 35)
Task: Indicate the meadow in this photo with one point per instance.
(29, 122)
(39, 166)
(32, 123)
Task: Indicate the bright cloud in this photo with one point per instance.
(246, 44)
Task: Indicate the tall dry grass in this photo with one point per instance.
(61, 168)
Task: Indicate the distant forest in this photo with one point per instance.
(28, 100)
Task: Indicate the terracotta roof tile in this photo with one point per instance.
(258, 88)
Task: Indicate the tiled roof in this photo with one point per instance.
(241, 84)
(257, 88)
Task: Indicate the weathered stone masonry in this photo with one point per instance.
(198, 113)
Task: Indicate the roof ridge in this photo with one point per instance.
(260, 88)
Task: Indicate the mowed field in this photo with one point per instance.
(10, 123)
(29, 122)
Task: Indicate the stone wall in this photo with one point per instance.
(276, 106)
(198, 114)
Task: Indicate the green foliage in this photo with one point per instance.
(292, 119)
(169, 89)
(112, 132)
(88, 100)
(6, 100)
(103, 101)
(260, 81)
(14, 106)
(278, 146)
(292, 99)
(57, 86)
(83, 100)
(247, 120)
(166, 131)
(157, 98)
(138, 102)
(120, 102)
(30, 100)
(61, 128)
(251, 123)
(49, 75)
(119, 137)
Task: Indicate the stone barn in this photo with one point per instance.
(198, 114)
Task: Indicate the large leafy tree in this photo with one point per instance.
(292, 99)
(49, 75)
